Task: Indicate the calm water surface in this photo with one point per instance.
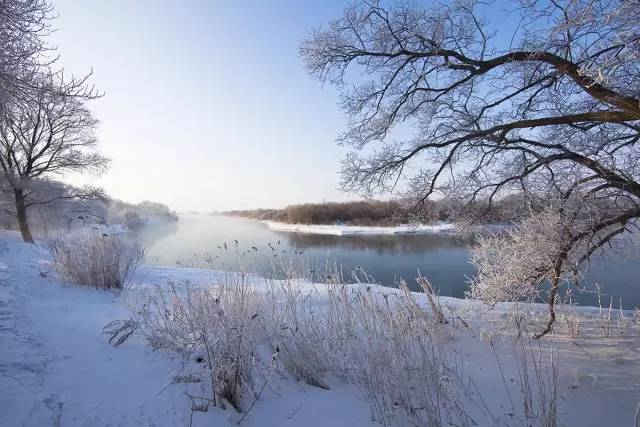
(443, 259)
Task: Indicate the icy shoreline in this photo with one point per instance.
(365, 230)
(357, 230)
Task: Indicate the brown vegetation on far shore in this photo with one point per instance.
(388, 213)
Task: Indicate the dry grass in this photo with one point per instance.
(95, 259)
(217, 326)
(390, 344)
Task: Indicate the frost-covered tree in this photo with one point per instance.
(61, 207)
(23, 25)
(546, 250)
(531, 96)
(25, 55)
(44, 126)
(45, 135)
(541, 89)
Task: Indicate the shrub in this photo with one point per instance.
(387, 347)
(393, 345)
(217, 326)
(133, 220)
(95, 259)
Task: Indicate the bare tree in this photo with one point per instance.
(44, 126)
(49, 134)
(23, 26)
(544, 99)
(27, 61)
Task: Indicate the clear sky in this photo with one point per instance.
(206, 105)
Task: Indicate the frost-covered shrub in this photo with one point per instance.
(388, 346)
(385, 343)
(514, 266)
(293, 322)
(95, 259)
(137, 215)
(132, 220)
(241, 333)
(397, 352)
(545, 252)
(217, 326)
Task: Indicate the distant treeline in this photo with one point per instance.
(138, 214)
(64, 212)
(388, 213)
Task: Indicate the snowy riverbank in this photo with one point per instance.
(57, 369)
(355, 230)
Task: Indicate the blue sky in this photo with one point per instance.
(206, 104)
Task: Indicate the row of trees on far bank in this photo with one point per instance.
(45, 127)
(394, 212)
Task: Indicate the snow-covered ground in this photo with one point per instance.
(57, 369)
(354, 230)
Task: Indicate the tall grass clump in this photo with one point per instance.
(390, 347)
(95, 259)
(399, 355)
(217, 326)
(243, 331)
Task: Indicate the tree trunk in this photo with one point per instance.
(21, 214)
(553, 292)
(552, 312)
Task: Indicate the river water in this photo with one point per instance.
(210, 241)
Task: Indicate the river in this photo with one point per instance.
(200, 241)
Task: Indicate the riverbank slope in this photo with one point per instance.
(57, 369)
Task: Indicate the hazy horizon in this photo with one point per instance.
(206, 107)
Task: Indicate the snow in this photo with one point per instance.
(353, 230)
(57, 369)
